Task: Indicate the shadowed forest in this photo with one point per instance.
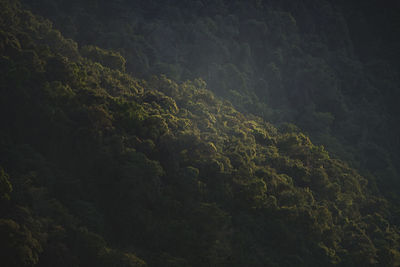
(183, 133)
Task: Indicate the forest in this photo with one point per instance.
(206, 133)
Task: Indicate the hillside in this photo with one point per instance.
(100, 167)
(330, 67)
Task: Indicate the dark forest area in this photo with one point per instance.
(199, 133)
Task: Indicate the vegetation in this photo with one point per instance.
(103, 163)
(330, 67)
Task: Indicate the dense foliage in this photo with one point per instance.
(99, 168)
(330, 67)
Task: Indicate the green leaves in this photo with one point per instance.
(107, 58)
(18, 247)
(113, 166)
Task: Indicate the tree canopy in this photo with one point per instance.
(151, 142)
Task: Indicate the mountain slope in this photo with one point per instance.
(99, 168)
(330, 67)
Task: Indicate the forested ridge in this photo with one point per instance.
(163, 133)
(330, 67)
